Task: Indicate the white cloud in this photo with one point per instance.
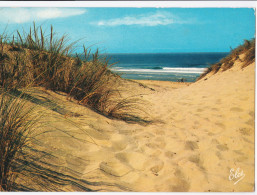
(22, 15)
(154, 19)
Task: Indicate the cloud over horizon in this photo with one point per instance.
(153, 19)
(23, 15)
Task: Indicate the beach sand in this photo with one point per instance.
(200, 131)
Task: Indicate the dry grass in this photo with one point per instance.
(250, 54)
(15, 129)
(27, 163)
(248, 48)
(36, 59)
(129, 109)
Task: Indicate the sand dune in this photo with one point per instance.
(200, 132)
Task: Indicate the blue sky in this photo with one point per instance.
(141, 30)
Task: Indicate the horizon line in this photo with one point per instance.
(167, 52)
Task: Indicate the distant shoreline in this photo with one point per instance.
(160, 81)
(162, 53)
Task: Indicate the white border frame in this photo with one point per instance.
(182, 4)
(137, 4)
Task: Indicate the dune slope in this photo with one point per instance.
(199, 133)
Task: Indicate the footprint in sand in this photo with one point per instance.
(134, 159)
(157, 167)
(222, 147)
(156, 153)
(219, 155)
(196, 159)
(156, 145)
(241, 158)
(119, 145)
(191, 145)
(245, 131)
(119, 142)
(159, 142)
(181, 185)
(170, 154)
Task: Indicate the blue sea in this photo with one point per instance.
(163, 66)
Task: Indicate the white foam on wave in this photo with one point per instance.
(164, 70)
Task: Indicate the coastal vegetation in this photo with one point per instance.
(245, 53)
(34, 59)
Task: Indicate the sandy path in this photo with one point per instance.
(201, 132)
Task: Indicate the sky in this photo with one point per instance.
(140, 30)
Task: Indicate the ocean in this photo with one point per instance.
(163, 66)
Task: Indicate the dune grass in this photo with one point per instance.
(34, 59)
(15, 130)
(27, 163)
(37, 59)
(248, 49)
